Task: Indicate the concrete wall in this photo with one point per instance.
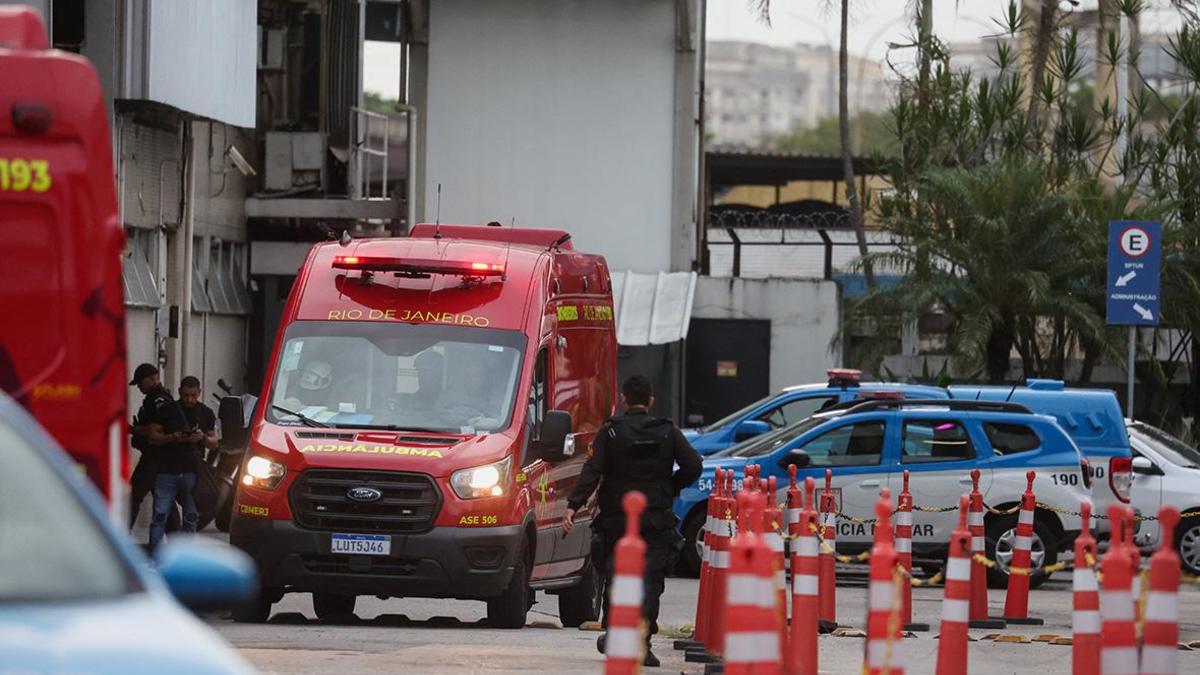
(804, 317)
(560, 114)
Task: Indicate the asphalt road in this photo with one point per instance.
(441, 636)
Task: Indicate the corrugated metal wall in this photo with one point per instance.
(341, 54)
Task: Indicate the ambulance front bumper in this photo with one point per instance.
(446, 562)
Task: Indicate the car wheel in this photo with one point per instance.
(1188, 537)
(257, 610)
(583, 602)
(333, 606)
(693, 543)
(1001, 537)
(509, 610)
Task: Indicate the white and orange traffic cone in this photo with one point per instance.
(904, 532)
(1085, 619)
(979, 596)
(884, 648)
(773, 531)
(751, 639)
(1118, 634)
(828, 563)
(1016, 601)
(1160, 631)
(802, 656)
(956, 604)
(625, 643)
(719, 561)
(704, 592)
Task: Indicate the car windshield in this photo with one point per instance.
(52, 549)
(766, 443)
(367, 375)
(1172, 449)
(737, 414)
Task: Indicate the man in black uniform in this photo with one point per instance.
(199, 416)
(636, 452)
(141, 481)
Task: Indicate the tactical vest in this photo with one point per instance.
(637, 457)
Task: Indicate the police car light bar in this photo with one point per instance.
(880, 395)
(417, 266)
(843, 377)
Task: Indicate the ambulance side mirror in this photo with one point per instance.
(556, 426)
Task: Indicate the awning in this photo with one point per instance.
(652, 309)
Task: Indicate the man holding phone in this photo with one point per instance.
(171, 438)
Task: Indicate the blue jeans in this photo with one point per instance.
(168, 486)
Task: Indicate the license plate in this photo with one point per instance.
(361, 544)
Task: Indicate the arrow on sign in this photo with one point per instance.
(1125, 279)
(1146, 314)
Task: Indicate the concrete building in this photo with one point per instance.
(754, 92)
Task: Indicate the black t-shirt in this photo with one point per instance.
(159, 408)
(199, 416)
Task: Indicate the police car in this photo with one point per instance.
(1166, 473)
(868, 445)
(794, 404)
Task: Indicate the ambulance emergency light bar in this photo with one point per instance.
(418, 266)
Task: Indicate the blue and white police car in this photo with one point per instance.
(794, 404)
(868, 445)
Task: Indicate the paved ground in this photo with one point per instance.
(439, 636)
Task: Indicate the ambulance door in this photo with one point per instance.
(539, 472)
(939, 452)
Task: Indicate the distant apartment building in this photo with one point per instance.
(754, 92)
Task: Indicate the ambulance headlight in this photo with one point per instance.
(481, 481)
(263, 473)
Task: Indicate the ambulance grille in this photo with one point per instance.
(409, 504)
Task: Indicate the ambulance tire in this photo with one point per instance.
(583, 602)
(998, 527)
(511, 607)
(333, 606)
(257, 610)
(689, 557)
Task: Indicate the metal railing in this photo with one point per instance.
(825, 241)
(363, 155)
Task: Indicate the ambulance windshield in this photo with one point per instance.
(374, 375)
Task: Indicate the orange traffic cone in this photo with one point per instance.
(773, 530)
(1118, 635)
(626, 640)
(1016, 602)
(1160, 632)
(884, 648)
(979, 597)
(952, 642)
(751, 635)
(704, 592)
(904, 531)
(1085, 620)
(805, 583)
(828, 564)
(719, 542)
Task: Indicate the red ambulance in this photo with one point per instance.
(427, 411)
(62, 336)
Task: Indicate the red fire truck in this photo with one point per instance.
(427, 411)
(62, 335)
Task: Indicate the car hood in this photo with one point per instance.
(131, 635)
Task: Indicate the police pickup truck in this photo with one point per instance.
(869, 444)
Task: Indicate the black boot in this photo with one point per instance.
(600, 642)
(650, 661)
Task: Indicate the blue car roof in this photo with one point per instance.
(921, 390)
(1091, 417)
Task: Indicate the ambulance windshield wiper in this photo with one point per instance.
(391, 427)
(308, 421)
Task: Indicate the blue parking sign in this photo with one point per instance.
(1134, 269)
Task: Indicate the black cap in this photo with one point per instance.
(142, 372)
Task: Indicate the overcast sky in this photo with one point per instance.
(873, 24)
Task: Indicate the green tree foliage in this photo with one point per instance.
(869, 134)
(376, 103)
(1003, 191)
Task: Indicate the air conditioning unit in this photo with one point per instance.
(294, 160)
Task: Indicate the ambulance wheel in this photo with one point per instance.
(333, 606)
(510, 608)
(1001, 537)
(583, 602)
(257, 610)
(693, 540)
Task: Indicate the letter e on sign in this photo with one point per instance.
(1135, 241)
